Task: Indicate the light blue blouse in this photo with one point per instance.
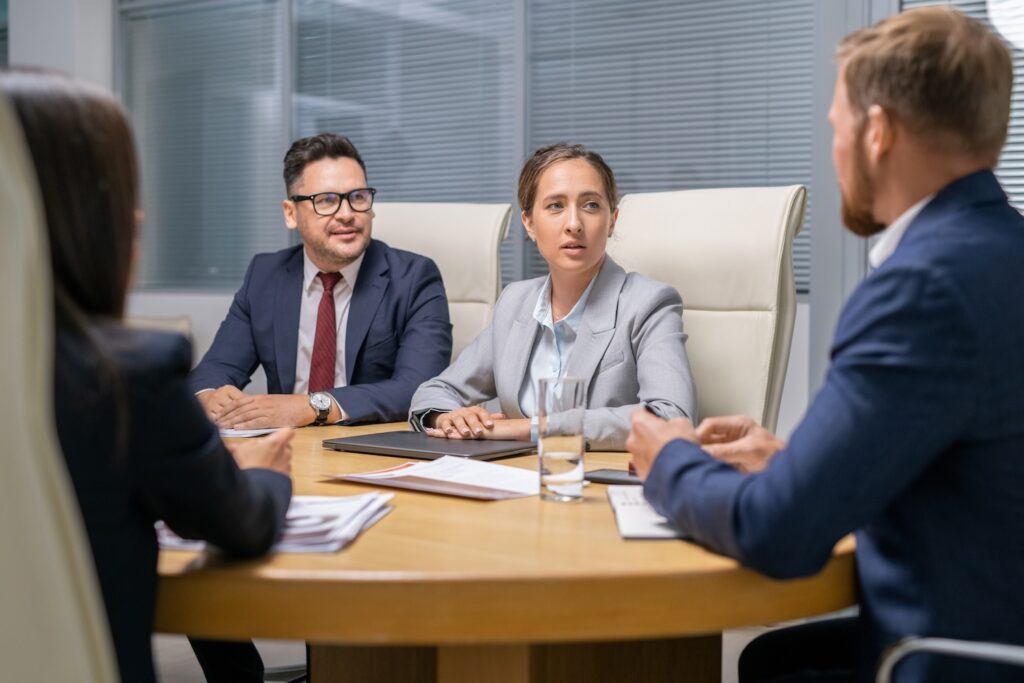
(551, 349)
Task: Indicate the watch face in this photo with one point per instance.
(320, 401)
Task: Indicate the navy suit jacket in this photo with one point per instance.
(155, 457)
(398, 334)
(916, 441)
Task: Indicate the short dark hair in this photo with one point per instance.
(545, 157)
(305, 151)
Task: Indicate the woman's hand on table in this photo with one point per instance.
(476, 422)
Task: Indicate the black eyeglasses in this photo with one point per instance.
(328, 203)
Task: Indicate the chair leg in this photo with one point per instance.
(286, 674)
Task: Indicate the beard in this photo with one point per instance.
(857, 212)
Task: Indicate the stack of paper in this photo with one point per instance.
(635, 516)
(227, 433)
(315, 524)
(455, 476)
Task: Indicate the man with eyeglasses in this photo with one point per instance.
(344, 326)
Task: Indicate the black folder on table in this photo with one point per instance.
(422, 447)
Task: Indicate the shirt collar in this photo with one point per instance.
(310, 271)
(891, 236)
(542, 310)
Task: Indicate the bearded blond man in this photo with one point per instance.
(916, 440)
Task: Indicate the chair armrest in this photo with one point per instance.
(992, 652)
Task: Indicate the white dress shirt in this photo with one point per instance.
(890, 238)
(312, 292)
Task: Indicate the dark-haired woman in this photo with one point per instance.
(621, 332)
(137, 444)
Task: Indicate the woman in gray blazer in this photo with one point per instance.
(621, 332)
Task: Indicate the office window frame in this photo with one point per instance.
(152, 232)
(517, 257)
(5, 42)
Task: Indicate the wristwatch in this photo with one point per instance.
(321, 404)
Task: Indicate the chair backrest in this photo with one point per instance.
(52, 624)
(464, 241)
(729, 253)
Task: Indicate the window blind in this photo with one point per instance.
(1011, 165)
(426, 91)
(202, 82)
(443, 98)
(678, 95)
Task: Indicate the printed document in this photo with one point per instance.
(455, 476)
(314, 524)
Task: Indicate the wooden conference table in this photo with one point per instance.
(448, 589)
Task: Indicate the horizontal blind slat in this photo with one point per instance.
(202, 85)
(429, 99)
(679, 95)
(1010, 170)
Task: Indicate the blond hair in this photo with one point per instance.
(938, 72)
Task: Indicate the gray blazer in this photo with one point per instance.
(630, 349)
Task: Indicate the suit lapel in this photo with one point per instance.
(598, 324)
(287, 304)
(510, 370)
(371, 283)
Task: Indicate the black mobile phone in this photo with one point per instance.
(612, 477)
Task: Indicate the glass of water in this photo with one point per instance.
(560, 406)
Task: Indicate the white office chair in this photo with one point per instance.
(464, 241)
(729, 253)
(990, 652)
(52, 624)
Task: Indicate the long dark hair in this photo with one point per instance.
(81, 145)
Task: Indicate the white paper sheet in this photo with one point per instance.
(487, 479)
(635, 516)
(226, 433)
(314, 524)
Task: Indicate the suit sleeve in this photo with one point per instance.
(466, 382)
(232, 357)
(190, 480)
(424, 350)
(900, 391)
(663, 373)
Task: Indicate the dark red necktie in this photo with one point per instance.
(325, 343)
